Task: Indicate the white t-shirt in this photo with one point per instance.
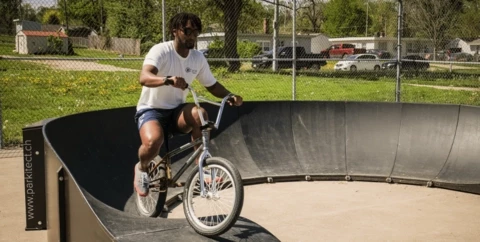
(169, 63)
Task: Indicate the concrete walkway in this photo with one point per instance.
(12, 200)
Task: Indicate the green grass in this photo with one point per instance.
(31, 92)
(31, 96)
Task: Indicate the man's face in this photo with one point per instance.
(187, 36)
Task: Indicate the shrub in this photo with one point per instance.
(248, 49)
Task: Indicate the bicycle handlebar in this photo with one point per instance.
(197, 103)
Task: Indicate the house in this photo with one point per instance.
(475, 46)
(315, 43)
(312, 43)
(36, 42)
(409, 45)
(466, 46)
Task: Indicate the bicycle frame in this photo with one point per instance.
(202, 151)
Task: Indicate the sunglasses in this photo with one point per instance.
(189, 31)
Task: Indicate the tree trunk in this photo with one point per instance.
(231, 10)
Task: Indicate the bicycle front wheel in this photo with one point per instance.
(217, 210)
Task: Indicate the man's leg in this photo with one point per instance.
(188, 120)
(151, 135)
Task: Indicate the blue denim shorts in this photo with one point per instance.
(166, 117)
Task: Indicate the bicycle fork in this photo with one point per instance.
(203, 156)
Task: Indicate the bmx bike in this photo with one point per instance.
(213, 192)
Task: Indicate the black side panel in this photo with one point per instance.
(34, 178)
(267, 131)
(319, 135)
(463, 165)
(426, 137)
(372, 137)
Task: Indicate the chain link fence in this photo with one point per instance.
(70, 56)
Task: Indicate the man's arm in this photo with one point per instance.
(149, 78)
(218, 90)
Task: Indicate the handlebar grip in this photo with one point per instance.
(169, 82)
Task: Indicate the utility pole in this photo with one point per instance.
(366, 22)
(275, 37)
(163, 21)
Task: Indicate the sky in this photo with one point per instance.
(40, 3)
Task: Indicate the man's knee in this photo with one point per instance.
(152, 145)
(196, 112)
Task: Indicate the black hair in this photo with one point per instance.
(180, 21)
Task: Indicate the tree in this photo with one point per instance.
(344, 18)
(469, 20)
(9, 10)
(27, 12)
(432, 19)
(312, 12)
(87, 13)
(383, 14)
(51, 17)
(231, 13)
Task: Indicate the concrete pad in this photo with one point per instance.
(360, 211)
(12, 204)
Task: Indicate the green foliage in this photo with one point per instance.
(9, 10)
(344, 18)
(54, 44)
(247, 49)
(216, 50)
(134, 19)
(28, 12)
(52, 17)
(52, 93)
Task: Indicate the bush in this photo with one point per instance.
(248, 49)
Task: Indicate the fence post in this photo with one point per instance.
(399, 50)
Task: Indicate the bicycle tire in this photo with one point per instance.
(152, 205)
(227, 172)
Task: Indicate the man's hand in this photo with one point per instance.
(235, 100)
(178, 82)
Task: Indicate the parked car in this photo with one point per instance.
(461, 56)
(408, 62)
(359, 62)
(342, 51)
(286, 52)
(382, 54)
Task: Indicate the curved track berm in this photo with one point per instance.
(434, 145)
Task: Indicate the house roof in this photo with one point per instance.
(43, 33)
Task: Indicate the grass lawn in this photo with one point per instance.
(30, 92)
(31, 96)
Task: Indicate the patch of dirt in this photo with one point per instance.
(471, 89)
(73, 65)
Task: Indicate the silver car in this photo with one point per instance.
(359, 62)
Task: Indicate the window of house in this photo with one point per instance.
(382, 45)
(265, 45)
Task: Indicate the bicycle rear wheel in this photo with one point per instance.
(152, 204)
(217, 211)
